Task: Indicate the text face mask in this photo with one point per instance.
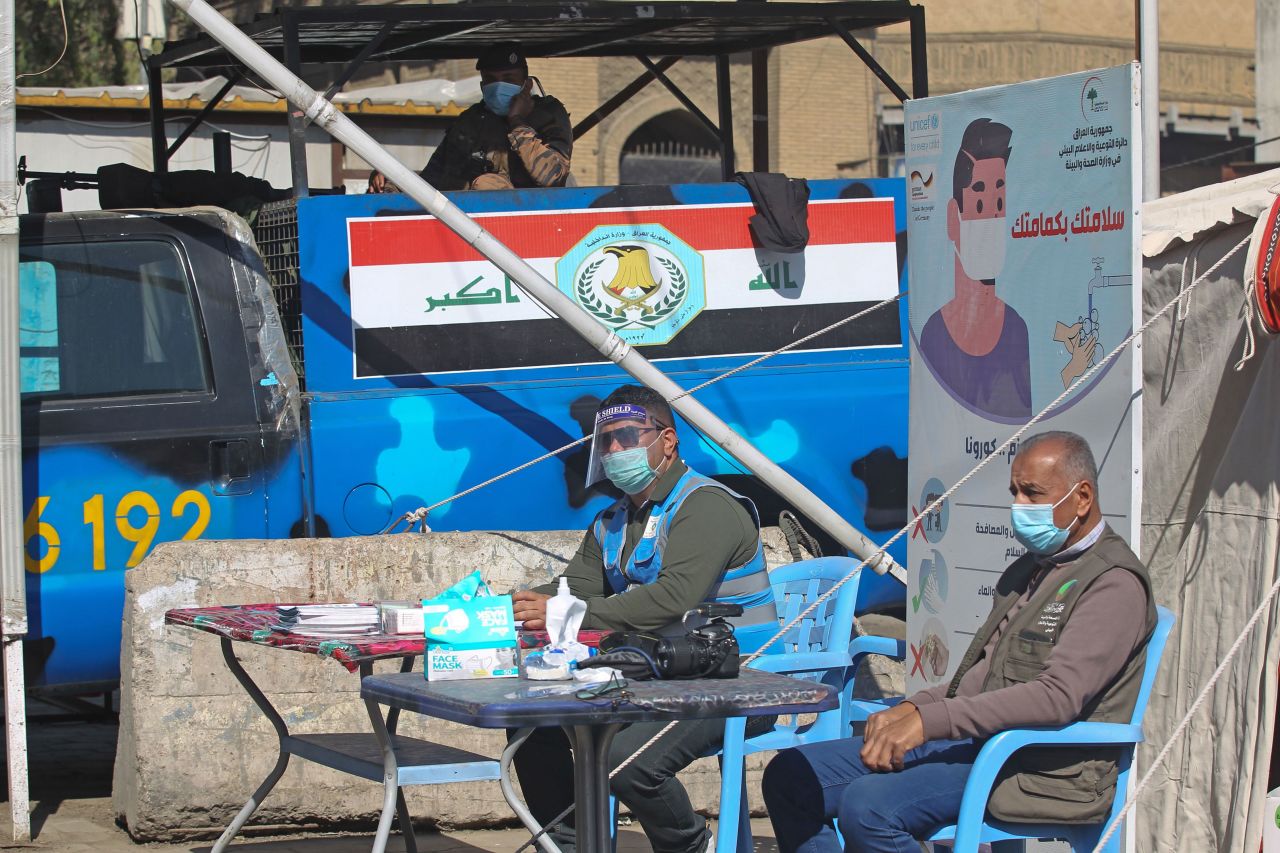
(982, 244)
(1033, 526)
(498, 96)
(630, 470)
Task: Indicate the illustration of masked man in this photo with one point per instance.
(976, 344)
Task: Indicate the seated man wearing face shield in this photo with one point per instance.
(511, 139)
(1065, 641)
(675, 540)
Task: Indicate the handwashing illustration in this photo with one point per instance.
(1082, 338)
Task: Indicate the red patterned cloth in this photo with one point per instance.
(251, 623)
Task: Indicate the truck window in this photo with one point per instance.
(108, 319)
(37, 327)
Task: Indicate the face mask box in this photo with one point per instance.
(446, 663)
(473, 638)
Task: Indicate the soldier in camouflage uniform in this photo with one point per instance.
(511, 139)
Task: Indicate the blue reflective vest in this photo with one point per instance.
(747, 584)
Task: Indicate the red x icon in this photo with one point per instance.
(917, 654)
(917, 529)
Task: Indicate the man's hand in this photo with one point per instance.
(521, 105)
(377, 182)
(531, 608)
(890, 735)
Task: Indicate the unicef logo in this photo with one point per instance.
(641, 281)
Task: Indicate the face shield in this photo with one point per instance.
(620, 427)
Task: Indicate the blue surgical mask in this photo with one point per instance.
(498, 96)
(1034, 527)
(630, 470)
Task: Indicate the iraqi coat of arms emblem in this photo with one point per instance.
(641, 281)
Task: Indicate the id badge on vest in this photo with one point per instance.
(642, 568)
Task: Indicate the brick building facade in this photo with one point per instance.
(831, 117)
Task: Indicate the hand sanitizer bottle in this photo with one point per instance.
(558, 607)
(564, 615)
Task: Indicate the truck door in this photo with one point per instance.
(139, 422)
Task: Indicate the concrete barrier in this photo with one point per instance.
(192, 745)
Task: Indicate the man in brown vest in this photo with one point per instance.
(1065, 641)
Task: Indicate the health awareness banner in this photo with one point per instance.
(675, 280)
(1023, 230)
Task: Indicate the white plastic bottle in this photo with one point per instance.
(559, 608)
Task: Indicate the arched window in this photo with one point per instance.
(671, 148)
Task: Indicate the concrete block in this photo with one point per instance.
(192, 745)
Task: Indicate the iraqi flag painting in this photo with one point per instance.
(677, 281)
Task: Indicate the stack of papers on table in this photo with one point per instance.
(328, 620)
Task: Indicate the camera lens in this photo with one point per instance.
(683, 657)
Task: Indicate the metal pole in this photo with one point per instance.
(919, 55)
(724, 100)
(159, 143)
(1149, 53)
(760, 110)
(297, 121)
(331, 120)
(222, 152)
(13, 591)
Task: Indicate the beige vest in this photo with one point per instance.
(1057, 784)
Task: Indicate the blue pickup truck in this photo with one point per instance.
(347, 360)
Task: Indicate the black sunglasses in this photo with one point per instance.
(628, 437)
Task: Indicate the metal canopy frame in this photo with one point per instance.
(658, 34)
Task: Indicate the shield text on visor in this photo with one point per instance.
(622, 427)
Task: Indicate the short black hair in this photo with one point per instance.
(982, 140)
(1077, 460)
(639, 395)
(501, 56)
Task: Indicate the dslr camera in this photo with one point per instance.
(710, 651)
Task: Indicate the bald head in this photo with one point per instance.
(1070, 451)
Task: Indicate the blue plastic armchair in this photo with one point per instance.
(818, 649)
(974, 827)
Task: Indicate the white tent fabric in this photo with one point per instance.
(1210, 523)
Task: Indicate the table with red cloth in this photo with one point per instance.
(380, 755)
(253, 623)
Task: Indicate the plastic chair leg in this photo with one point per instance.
(613, 823)
(746, 843)
(732, 788)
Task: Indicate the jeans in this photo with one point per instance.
(647, 786)
(808, 787)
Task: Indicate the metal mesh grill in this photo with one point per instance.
(276, 232)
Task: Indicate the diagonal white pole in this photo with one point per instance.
(332, 121)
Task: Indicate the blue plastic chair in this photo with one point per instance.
(974, 828)
(817, 649)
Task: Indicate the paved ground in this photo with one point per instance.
(70, 774)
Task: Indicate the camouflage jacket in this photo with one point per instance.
(481, 151)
